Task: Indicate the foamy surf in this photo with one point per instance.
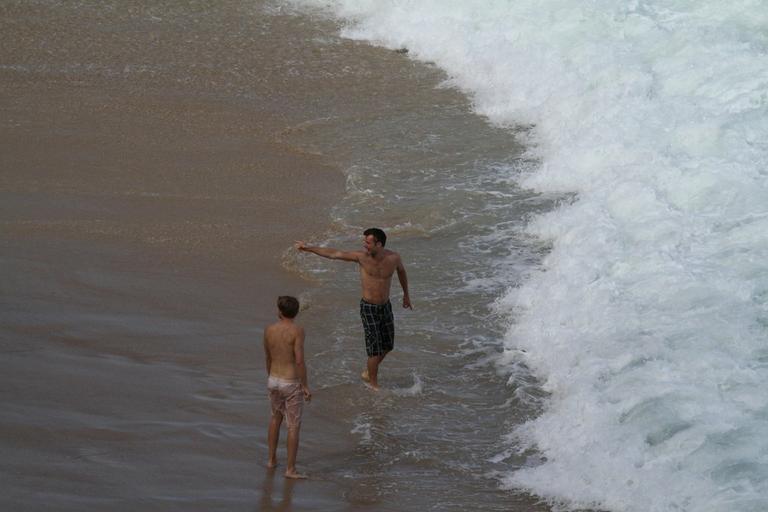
(646, 322)
(415, 389)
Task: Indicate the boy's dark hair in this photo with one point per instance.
(378, 235)
(288, 306)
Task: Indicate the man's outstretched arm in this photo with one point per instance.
(403, 278)
(327, 252)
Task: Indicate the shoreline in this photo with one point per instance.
(148, 215)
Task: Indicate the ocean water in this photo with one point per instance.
(596, 299)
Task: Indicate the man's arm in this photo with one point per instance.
(327, 252)
(403, 278)
(301, 368)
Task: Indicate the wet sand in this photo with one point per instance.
(145, 209)
(159, 163)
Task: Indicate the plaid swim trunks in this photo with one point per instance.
(286, 399)
(379, 327)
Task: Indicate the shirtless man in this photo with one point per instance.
(287, 381)
(377, 266)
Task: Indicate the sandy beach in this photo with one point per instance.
(158, 165)
(144, 220)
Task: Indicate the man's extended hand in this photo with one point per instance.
(407, 302)
(300, 245)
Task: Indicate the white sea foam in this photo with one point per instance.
(415, 389)
(647, 323)
(362, 427)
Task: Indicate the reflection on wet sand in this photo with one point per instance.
(268, 501)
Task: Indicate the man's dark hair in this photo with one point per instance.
(288, 306)
(378, 235)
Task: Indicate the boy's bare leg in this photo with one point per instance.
(293, 448)
(272, 438)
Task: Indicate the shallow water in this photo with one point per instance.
(646, 321)
(442, 185)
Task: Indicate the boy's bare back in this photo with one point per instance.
(283, 341)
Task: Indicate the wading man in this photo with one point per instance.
(377, 266)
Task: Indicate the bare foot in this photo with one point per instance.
(272, 464)
(294, 475)
(365, 376)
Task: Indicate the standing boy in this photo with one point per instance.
(377, 266)
(287, 381)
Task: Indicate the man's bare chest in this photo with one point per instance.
(375, 270)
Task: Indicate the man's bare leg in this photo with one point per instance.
(293, 448)
(272, 438)
(373, 370)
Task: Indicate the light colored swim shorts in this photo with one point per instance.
(287, 399)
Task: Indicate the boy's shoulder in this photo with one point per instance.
(284, 327)
(298, 329)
